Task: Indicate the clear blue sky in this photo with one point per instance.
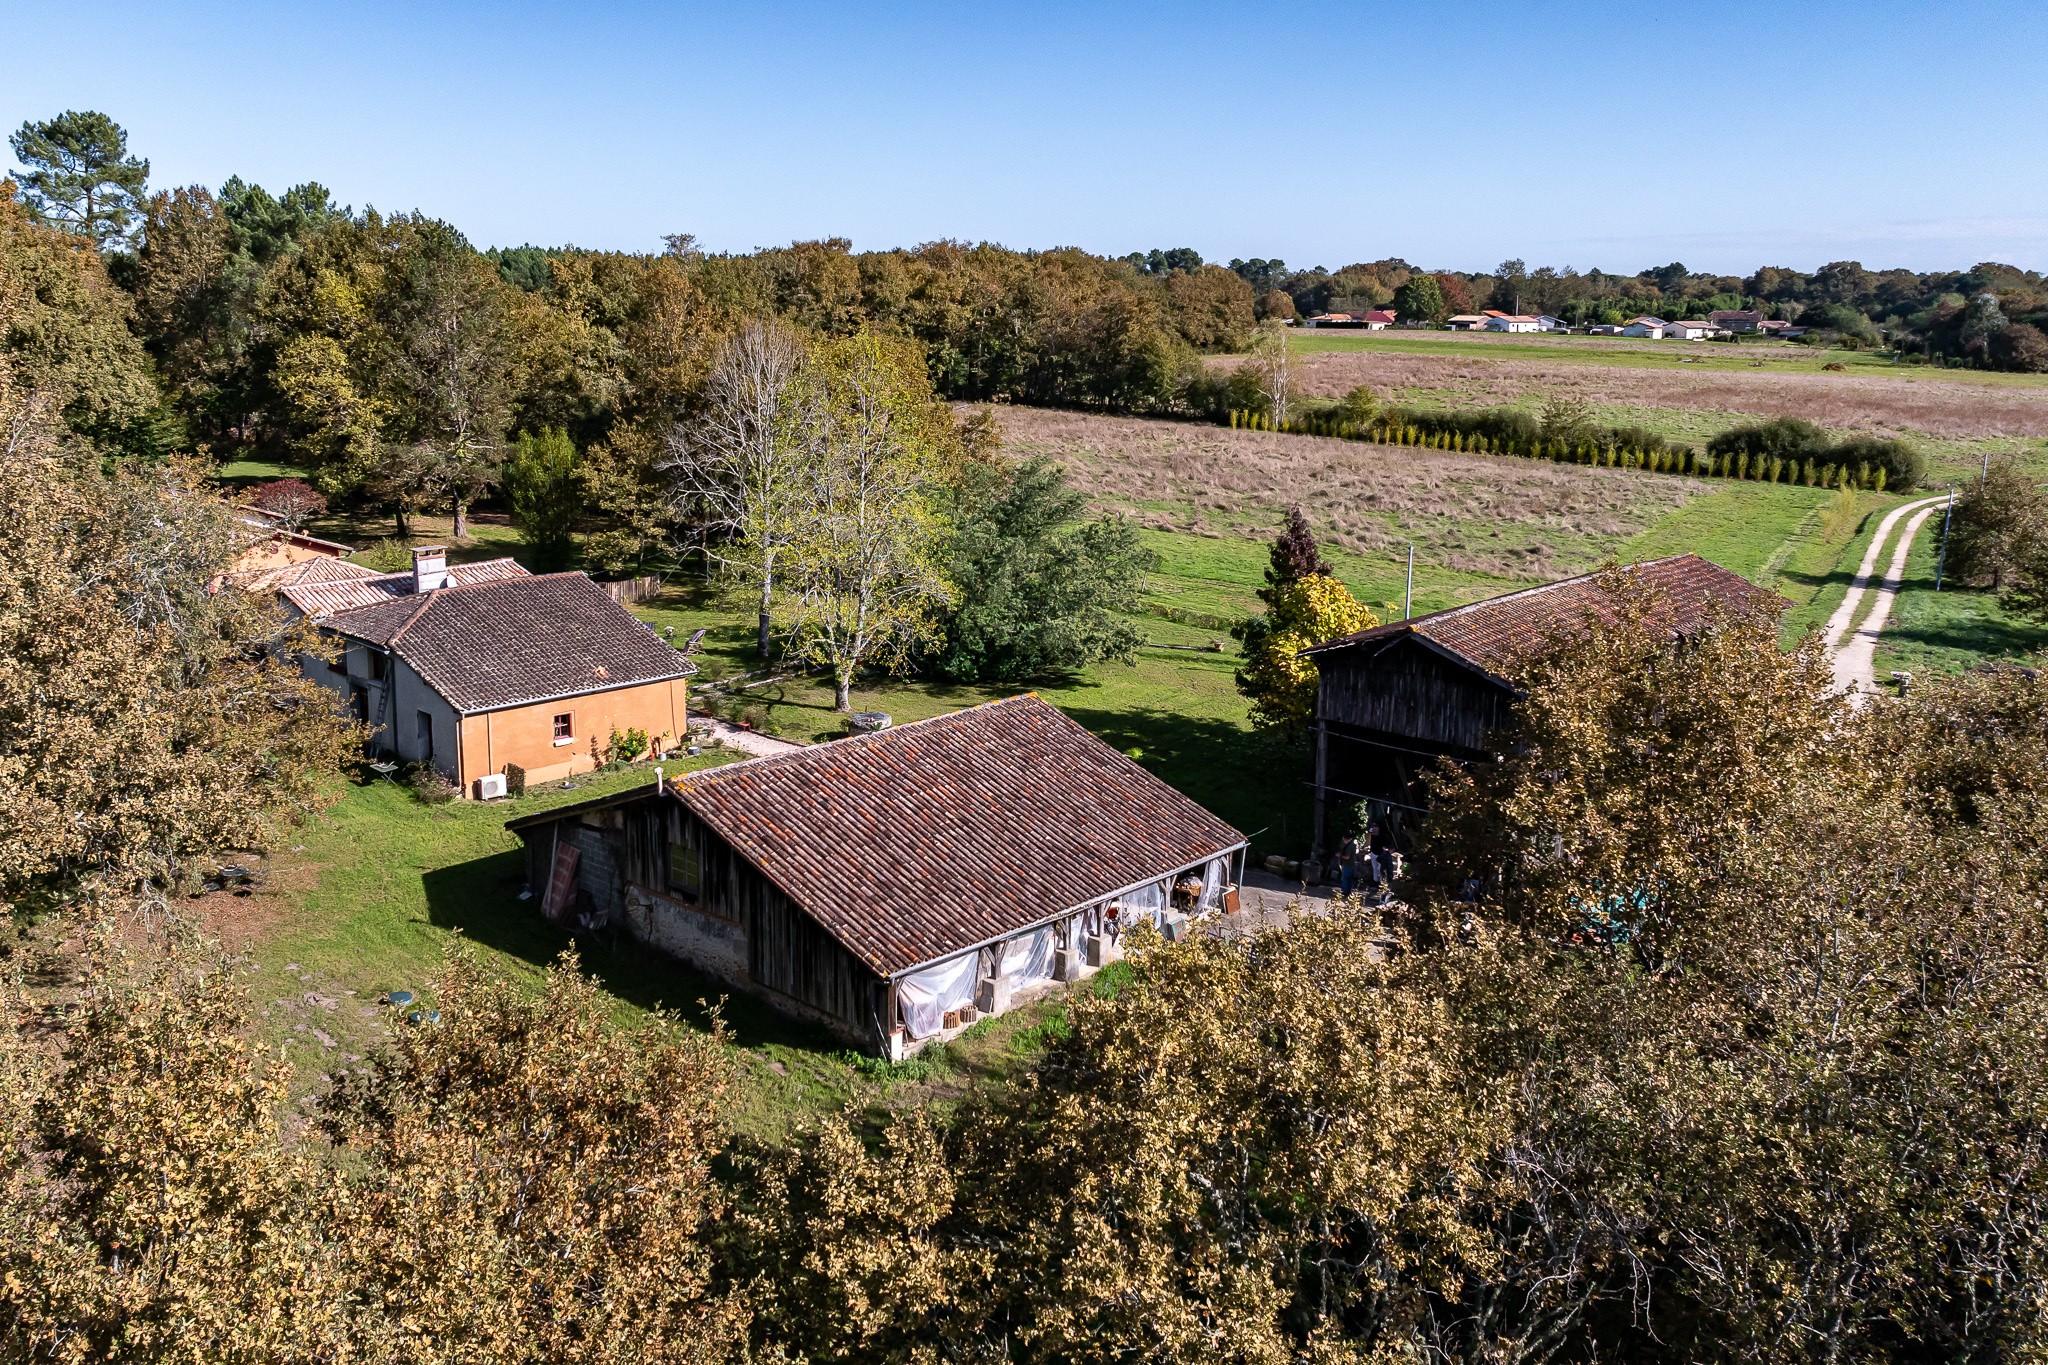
(1620, 135)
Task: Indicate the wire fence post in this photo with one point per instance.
(1941, 560)
(1408, 598)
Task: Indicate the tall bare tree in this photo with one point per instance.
(1269, 361)
(735, 469)
(865, 566)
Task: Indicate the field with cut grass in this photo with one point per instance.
(1478, 516)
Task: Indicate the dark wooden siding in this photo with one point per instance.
(1404, 691)
(788, 954)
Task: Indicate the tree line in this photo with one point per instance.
(1990, 315)
(781, 414)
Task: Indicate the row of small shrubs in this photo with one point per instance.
(1793, 439)
(1785, 450)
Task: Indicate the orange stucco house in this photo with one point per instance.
(528, 670)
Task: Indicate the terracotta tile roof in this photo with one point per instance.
(1499, 634)
(325, 598)
(324, 569)
(919, 842)
(515, 640)
(262, 525)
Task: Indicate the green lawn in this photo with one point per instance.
(1747, 527)
(1947, 631)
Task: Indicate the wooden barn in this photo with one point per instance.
(894, 887)
(1392, 700)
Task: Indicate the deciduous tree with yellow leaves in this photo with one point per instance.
(1305, 605)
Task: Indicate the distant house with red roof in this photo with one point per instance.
(1372, 320)
(267, 545)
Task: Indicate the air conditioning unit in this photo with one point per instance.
(490, 787)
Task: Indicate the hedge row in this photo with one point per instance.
(1811, 471)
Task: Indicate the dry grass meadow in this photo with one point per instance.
(1487, 515)
(1885, 404)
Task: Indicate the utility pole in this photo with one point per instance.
(1941, 560)
(1408, 598)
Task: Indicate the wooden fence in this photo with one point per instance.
(628, 590)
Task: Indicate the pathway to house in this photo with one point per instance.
(1854, 658)
(708, 729)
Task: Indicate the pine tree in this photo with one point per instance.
(79, 175)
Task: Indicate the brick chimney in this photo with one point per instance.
(429, 568)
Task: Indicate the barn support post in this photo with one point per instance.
(1321, 840)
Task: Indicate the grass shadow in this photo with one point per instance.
(1959, 621)
(480, 900)
(1257, 783)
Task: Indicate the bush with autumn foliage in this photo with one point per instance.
(1713, 1031)
(1305, 605)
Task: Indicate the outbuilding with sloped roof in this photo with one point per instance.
(517, 676)
(895, 886)
(1394, 700)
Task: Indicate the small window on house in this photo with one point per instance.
(685, 870)
(565, 727)
(376, 665)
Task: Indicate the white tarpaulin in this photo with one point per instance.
(1147, 902)
(1028, 957)
(1214, 877)
(925, 997)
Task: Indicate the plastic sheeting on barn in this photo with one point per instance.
(926, 997)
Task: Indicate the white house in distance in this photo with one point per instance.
(1464, 322)
(1645, 327)
(1690, 330)
(1547, 323)
(1497, 321)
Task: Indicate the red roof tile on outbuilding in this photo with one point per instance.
(1499, 634)
(919, 842)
